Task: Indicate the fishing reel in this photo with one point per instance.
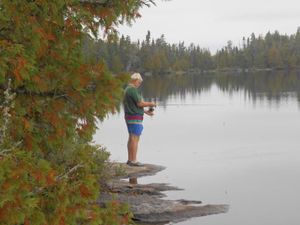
(151, 109)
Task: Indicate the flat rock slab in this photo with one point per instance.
(135, 171)
(146, 201)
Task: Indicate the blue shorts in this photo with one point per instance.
(135, 129)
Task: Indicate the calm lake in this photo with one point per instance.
(225, 139)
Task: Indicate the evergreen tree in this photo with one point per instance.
(51, 98)
(273, 51)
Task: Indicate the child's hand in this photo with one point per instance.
(149, 113)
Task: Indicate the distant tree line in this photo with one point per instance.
(149, 55)
(156, 56)
(273, 50)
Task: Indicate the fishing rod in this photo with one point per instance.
(163, 104)
(182, 104)
(186, 104)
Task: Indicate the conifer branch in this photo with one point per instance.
(60, 177)
(97, 2)
(106, 3)
(3, 152)
(54, 93)
(5, 110)
(66, 175)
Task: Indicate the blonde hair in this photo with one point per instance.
(136, 76)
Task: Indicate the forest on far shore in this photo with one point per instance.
(156, 56)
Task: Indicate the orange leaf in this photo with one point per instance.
(62, 220)
(39, 31)
(26, 124)
(28, 141)
(26, 222)
(50, 178)
(104, 12)
(37, 175)
(84, 191)
(50, 37)
(20, 65)
(5, 186)
(52, 118)
(58, 106)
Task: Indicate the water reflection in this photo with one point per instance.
(272, 86)
(234, 153)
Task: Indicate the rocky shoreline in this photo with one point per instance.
(146, 200)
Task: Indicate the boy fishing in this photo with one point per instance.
(134, 114)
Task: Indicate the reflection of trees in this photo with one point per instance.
(260, 86)
(162, 88)
(257, 86)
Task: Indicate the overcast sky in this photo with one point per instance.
(211, 23)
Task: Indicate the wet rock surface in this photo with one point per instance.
(146, 200)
